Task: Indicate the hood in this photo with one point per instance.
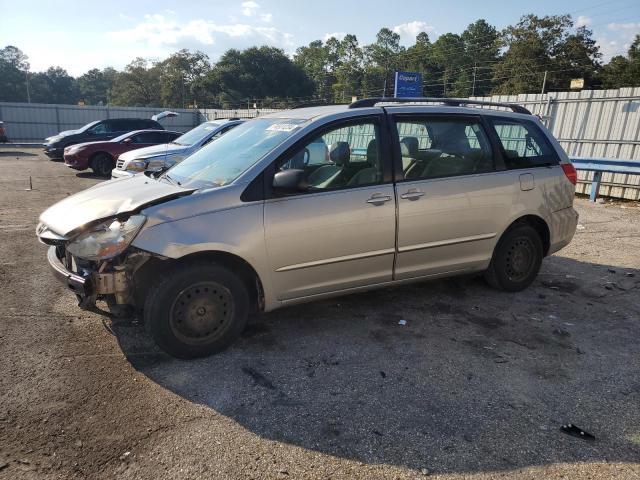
(86, 144)
(106, 200)
(153, 151)
(61, 135)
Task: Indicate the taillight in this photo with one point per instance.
(570, 172)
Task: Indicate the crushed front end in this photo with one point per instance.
(106, 269)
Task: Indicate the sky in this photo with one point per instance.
(80, 35)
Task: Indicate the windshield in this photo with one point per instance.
(221, 162)
(194, 135)
(88, 126)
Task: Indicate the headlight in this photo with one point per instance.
(73, 149)
(155, 165)
(137, 166)
(107, 239)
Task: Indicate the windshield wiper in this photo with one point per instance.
(171, 180)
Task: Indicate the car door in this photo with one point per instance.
(340, 232)
(452, 197)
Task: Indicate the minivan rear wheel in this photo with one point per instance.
(516, 259)
(102, 164)
(196, 310)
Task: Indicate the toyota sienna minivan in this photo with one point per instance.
(412, 189)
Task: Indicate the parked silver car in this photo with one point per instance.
(410, 192)
(161, 157)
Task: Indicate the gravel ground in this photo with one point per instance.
(475, 385)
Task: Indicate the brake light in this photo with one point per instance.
(570, 172)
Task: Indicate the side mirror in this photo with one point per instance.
(127, 140)
(290, 181)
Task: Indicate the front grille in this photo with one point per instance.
(119, 164)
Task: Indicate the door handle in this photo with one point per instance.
(412, 194)
(379, 199)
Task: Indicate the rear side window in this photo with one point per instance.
(435, 147)
(146, 137)
(523, 144)
(119, 126)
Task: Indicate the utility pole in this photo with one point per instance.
(473, 88)
(544, 81)
(26, 74)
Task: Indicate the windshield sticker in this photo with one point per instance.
(282, 127)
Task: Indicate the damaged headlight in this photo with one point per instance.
(107, 239)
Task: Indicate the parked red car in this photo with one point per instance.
(101, 156)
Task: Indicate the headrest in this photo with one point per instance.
(372, 152)
(339, 153)
(409, 147)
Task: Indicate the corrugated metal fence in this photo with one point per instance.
(590, 123)
(32, 122)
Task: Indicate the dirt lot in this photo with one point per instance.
(476, 385)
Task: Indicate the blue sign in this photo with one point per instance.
(408, 84)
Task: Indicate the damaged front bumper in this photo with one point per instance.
(90, 285)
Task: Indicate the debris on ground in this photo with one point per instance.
(402, 322)
(574, 431)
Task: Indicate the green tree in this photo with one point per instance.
(623, 71)
(54, 86)
(314, 61)
(138, 85)
(533, 45)
(14, 68)
(449, 58)
(257, 73)
(381, 59)
(482, 48)
(349, 70)
(181, 78)
(95, 85)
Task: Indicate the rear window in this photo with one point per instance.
(523, 144)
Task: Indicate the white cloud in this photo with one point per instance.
(249, 8)
(338, 35)
(624, 26)
(157, 31)
(408, 31)
(266, 17)
(583, 21)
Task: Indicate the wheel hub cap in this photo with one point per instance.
(201, 312)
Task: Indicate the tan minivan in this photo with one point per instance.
(316, 202)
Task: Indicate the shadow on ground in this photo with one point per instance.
(17, 153)
(477, 380)
(89, 174)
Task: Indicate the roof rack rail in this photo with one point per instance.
(450, 102)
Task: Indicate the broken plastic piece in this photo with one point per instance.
(574, 431)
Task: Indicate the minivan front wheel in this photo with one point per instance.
(516, 259)
(196, 310)
(102, 164)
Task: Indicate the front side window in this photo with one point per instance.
(345, 156)
(99, 128)
(434, 147)
(523, 144)
(221, 162)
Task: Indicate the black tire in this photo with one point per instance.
(196, 310)
(516, 259)
(102, 164)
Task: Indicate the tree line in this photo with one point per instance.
(535, 53)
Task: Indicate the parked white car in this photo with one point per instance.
(160, 157)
